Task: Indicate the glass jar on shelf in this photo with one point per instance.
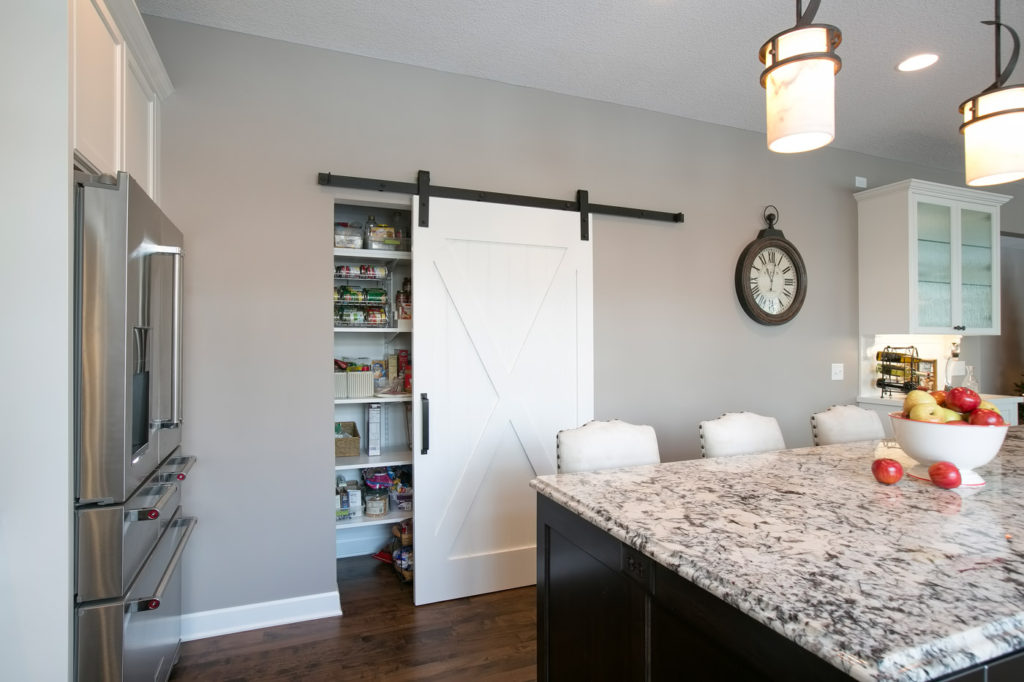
(376, 500)
(970, 381)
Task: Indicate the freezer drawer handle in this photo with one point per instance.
(153, 513)
(425, 416)
(189, 462)
(153, 602)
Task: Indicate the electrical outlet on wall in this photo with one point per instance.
(837, 371)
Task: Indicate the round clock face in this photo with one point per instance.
(771, 280)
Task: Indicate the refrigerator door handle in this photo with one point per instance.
(176, 342)
(153, 602)
(176, 254)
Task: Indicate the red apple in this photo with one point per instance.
(887, 470)
(962, 399)
(940, 397)
(982, 417)
(944, 475)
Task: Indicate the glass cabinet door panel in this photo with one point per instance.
(976, 268)
(934, 265)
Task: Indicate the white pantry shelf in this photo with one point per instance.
(374, 399)
(364, 520)
(387, 458)
(373, 254)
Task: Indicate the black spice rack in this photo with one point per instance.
(901, 369)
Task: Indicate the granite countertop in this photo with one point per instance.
(902, 582)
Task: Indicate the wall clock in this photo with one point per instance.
(771, 280)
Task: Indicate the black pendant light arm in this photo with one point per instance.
(805, 17)
(1003, 74)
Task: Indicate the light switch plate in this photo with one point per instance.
(837, 371)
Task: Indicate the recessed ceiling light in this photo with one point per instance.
(918, 62)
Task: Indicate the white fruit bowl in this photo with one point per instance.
(966, 445)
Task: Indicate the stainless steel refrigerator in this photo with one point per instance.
(130, 531)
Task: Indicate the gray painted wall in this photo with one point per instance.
(35, 359)
(1002, 357)
(250, 124)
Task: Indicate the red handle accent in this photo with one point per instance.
(152, 604)
(181, 477)
(153, 514)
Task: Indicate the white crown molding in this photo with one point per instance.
(136, 36)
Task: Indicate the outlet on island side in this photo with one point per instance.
(837, 371)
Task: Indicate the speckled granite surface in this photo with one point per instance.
(903, 582)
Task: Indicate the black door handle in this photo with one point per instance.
(425, 418)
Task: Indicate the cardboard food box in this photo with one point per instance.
(373, 429)
(355, 498)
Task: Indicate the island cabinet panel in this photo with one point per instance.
(1007, 669)
(718, 642)
(607, 612)
(591, 617)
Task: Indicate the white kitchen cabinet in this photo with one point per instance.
(117, 82)
(362, 334)
(97, 77)
(928, 259)
(140, 125)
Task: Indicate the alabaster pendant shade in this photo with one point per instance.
(800, 94)
(994, 141)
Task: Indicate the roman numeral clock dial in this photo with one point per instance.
(771, 280)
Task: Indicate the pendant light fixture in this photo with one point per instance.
(799, 81)
(993, 126)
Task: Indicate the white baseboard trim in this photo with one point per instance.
(261, 615)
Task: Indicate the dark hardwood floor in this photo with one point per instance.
(381, 636)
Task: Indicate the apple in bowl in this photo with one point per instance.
(962, 399)
(928, 442)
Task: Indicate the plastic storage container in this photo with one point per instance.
(347, 236)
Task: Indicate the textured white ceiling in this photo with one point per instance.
(690, 58)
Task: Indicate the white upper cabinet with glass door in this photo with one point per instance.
(928, 259)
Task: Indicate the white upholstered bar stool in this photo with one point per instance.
(845, 424)
(739, 433)
(606, 445)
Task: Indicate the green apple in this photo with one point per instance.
(986, 405)
(949, 415)
(917, 397)
(928, 412)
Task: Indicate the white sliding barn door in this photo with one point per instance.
(503, 349)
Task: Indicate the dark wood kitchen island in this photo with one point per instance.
(794, 565)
